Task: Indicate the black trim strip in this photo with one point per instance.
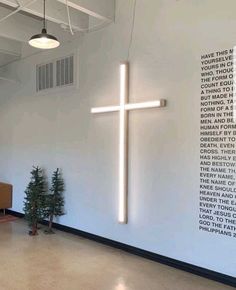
(203, 272)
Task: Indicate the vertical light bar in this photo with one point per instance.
(124, 91)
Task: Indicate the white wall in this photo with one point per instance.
(57, 130)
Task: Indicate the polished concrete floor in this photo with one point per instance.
(67, 262)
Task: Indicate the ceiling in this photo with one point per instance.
(20, 19)
(6, 58)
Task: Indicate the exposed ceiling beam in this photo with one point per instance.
(20, 27)
(10, 47)
(101, 9)
(55, 12)
(10, 50)
(6, 79)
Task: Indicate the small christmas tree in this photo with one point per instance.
(34, 200)
(55, 200)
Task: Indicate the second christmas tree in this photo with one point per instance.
(55, 200)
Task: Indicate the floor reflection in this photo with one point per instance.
(121, 285)
(63, 261)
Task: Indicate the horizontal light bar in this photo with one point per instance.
(146, 105)
(105, 109)
(129, 107)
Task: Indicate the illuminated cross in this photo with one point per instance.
(123, 109)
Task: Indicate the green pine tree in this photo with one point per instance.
(34, 200)
(55, 200)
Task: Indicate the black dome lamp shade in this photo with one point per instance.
(44, 40)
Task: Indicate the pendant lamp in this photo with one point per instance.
(44, 40)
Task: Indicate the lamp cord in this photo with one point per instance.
(132, 29)
(44, 14)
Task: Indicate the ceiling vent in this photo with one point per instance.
(65, 71)
(56, 74)
(44, 77)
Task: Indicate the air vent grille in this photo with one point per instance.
(44, 77)
(56, 74)
(65, 71)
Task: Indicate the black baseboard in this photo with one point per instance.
(212, 275)
(15, 213)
